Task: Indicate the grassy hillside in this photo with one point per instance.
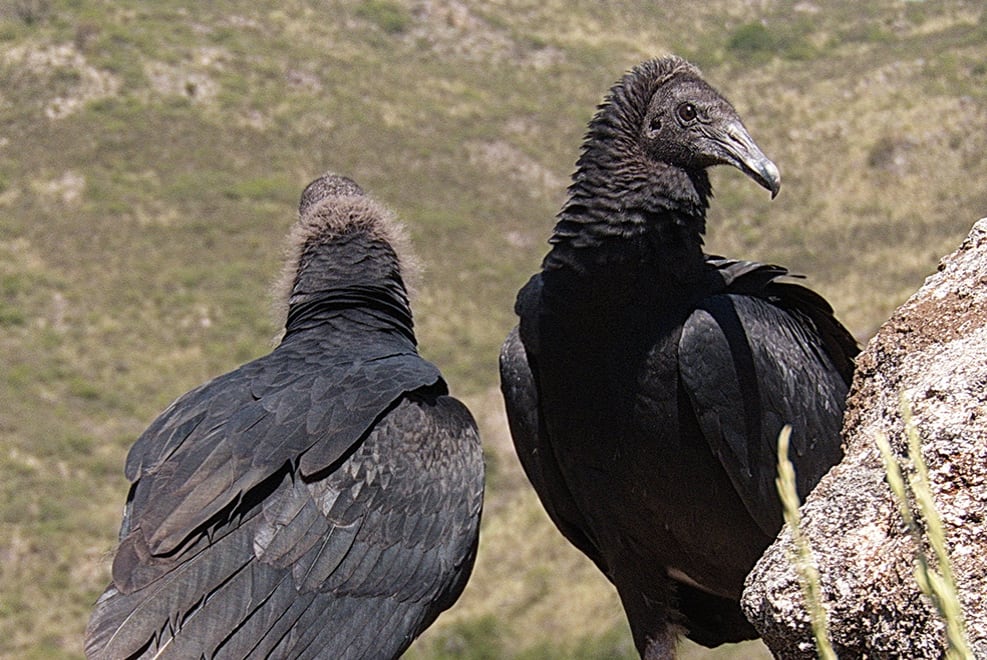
(151, 155)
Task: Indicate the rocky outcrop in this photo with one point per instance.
(933, 350)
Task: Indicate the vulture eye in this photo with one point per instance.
(687, 112)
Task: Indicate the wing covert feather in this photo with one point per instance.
(224, 438)
(749, 368)
(389, 532)
(534, 449)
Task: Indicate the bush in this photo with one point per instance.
(391, 17)
(755, 40)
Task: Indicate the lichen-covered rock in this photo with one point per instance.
(934, 350)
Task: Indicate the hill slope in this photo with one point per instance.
(151, 155)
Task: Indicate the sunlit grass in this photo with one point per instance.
(934, 575)
(802, 556)
(156, 277)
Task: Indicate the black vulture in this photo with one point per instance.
(647, 382)
(322, 501)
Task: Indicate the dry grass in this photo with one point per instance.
(141, 223)
(934, 574)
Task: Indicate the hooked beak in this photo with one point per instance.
(739, 150)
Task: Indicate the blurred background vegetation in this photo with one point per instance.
(151, 157)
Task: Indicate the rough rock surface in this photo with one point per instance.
(934, 350)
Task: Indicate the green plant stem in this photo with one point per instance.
(941, 586)
(809, 575)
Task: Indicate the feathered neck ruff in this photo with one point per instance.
(617, 190)
(346, 254)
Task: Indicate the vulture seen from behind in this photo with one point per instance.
(647, 382)
(322, 501)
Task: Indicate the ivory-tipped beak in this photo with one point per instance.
(744, 154)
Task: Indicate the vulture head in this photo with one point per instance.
(658, 130)
(343, 241)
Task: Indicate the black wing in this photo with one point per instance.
(353, 563)
(224, 438)
(202, 470)
(786, 360)
(531, 441)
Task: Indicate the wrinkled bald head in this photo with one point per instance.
(662, 114)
